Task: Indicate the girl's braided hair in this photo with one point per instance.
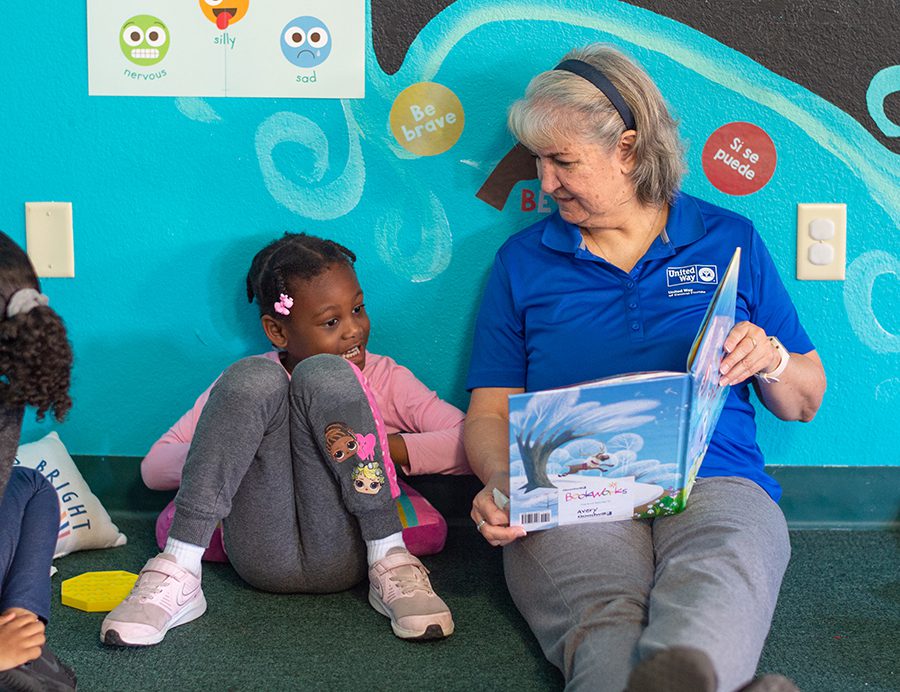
(35, 354)
(294, 256)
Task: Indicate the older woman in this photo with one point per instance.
(583, 294)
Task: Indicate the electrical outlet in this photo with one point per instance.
(48, 238)
(821, 242)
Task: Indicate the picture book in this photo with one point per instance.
(623, 446)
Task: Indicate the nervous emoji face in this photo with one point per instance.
(224, 13)
(144, 40)
(340, 441)
(306, 42)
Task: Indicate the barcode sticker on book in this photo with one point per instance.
(534, 518)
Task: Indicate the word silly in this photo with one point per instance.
(225, 39)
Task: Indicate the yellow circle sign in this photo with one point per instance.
(427, 118)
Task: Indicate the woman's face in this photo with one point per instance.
(590, 186)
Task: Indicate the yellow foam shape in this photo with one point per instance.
(97, 592)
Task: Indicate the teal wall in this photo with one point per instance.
(173, 196)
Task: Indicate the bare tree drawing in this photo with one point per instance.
(553, 419)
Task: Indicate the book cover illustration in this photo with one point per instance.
(621, 447)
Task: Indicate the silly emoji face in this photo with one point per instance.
(340, 441)
(306, 41)
(224, 13)
(144, 40)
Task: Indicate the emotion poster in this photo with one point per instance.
(290, 48)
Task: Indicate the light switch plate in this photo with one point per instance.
(815, 261)
(48, 238)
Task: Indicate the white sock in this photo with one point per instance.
(187, 555)
(379, 548)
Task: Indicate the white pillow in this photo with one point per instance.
(84, 523)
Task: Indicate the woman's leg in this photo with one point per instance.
(719, 570)
(583, 591)
(29, 526)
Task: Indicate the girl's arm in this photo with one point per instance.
(487, 447)
(161, 468)
(429, 437)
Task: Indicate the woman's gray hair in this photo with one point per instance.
(559, 103)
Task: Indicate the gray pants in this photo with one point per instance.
(296, 471)
(602, 597)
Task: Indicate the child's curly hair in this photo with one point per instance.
(35, 354)
(293, 256)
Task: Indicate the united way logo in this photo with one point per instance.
(693, 278)
(692, 274)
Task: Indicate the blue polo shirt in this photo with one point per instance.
(554, 315)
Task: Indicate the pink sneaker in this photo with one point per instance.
(399, 588)
(165, 595)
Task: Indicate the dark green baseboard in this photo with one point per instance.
(840, 497)
(815, 497)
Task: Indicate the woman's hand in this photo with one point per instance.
(798, 391)
(491, 521)
(21, 638)
(749, 351)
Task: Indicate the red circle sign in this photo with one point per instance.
(739, 158)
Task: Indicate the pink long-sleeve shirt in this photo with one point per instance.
(431, 428)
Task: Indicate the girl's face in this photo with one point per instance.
(328, 316)
(589, 185)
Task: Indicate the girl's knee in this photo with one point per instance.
(31, 479)
(250, 376)
(321, 365)
(326, 373)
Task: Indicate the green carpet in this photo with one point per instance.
(836, 627)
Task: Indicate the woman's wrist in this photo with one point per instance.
(780, 359)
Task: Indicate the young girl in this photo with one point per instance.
(275, 457)
(35, 362)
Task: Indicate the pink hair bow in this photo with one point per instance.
(284, 304)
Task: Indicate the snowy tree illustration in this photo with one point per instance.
(553, 419)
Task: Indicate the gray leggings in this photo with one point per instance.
(294, 469)
(604, 596)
